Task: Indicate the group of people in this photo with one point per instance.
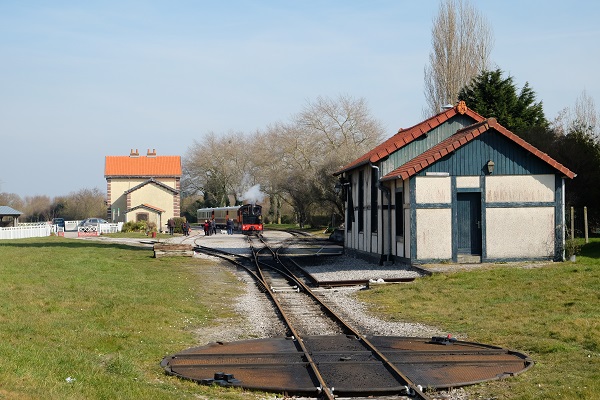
(210, 227)
(185, 227)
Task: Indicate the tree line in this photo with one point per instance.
(292, 161)
(76, 206)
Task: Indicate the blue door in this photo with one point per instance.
(469, 223)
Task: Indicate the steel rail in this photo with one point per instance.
(325, 390)
(403, 379)
(411, 389)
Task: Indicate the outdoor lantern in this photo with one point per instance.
(490, 167)
(338, 188)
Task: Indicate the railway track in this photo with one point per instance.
(324, 356)
(305, 314)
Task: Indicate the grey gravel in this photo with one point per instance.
(257, 318)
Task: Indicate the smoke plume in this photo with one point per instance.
(253, 195)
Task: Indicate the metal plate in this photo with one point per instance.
(276, 365)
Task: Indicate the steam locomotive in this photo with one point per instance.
(247, 217)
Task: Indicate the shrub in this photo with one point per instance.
(132, 226)
(179, 224)
(287, 219)
(151, 227)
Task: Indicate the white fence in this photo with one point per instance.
(97, 230)
(42, 229)
(26, 231)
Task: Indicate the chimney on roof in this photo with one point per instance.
(151, 153)
(134, 153)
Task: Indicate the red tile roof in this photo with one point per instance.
(152, 166)
(405, 136)
(462, 137)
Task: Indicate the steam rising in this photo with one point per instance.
(253, 195)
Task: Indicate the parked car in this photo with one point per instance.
(59, 222)
(92, 222)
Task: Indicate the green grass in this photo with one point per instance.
(551, 313)
(103, 316)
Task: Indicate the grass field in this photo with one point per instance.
(87, 320)
(551, 313)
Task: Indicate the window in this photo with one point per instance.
(399, 213)
(141, 217)
(361, 201)
(374, 205)
(350, 209)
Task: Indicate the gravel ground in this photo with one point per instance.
(260, 321)
(257, 318)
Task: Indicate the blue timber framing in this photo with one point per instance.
(471, 160)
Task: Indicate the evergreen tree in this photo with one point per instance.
(491, 95)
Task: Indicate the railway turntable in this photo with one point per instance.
(344, 364)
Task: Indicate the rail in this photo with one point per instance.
(411, 389)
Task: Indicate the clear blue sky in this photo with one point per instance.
(80, 80)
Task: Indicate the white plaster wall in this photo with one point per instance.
(433, 189)
(434, 234)
(519, 188)
(520, 232)
(155, 196)
(467, 182)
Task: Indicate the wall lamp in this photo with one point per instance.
(490, 167)
(340, 186)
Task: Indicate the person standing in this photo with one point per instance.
(171, 225)
(206, 227)
(213, 227)
(229, 226)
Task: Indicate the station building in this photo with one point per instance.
(456, 187)
(143, 188)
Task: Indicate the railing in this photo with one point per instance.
(42, 229)
(111, 227)
(26, 231)
(97, 230)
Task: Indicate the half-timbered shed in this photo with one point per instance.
(143, 188)
(456, 187)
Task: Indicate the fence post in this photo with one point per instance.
(585, 224)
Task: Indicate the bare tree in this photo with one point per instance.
(323, 137)
(583, 117)
(12, 200)
(37, 208)
(462, 42)
(217, 167)
(84, 203)
(293, 162)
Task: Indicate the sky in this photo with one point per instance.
(81, 80)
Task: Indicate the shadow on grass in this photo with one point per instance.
(68, 243)
(591, 249)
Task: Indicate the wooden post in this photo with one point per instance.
(572, 223)
(585, 223)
